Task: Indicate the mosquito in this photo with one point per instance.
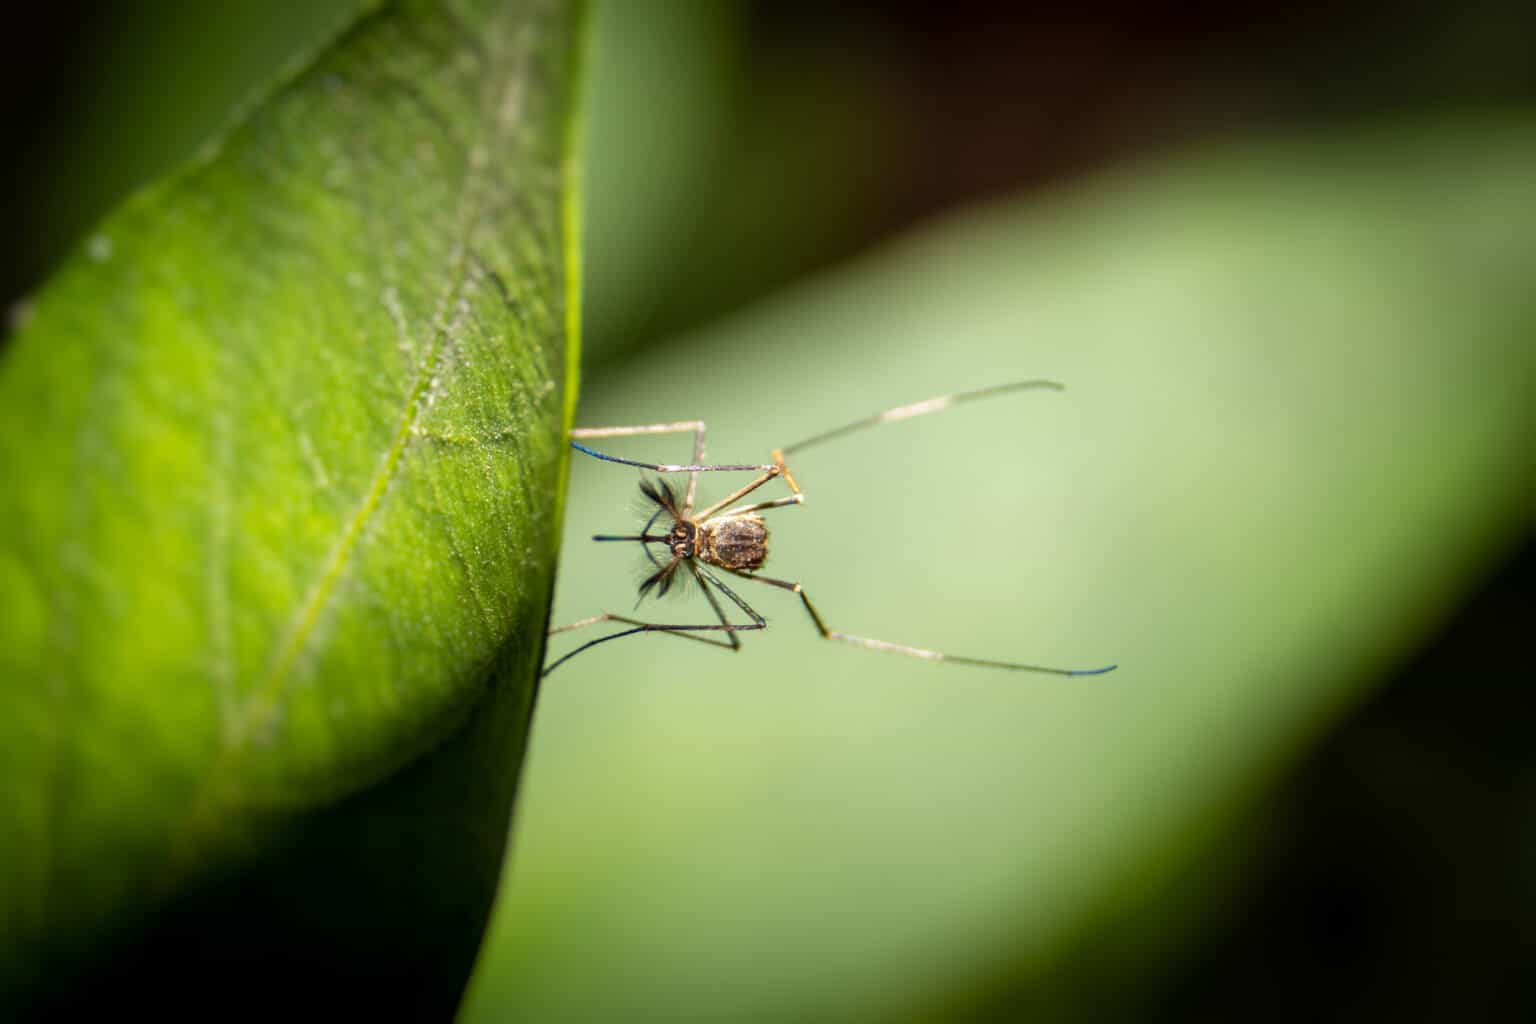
(727, 539)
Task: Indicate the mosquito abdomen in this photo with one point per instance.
(734, 542)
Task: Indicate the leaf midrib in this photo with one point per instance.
(220, 784)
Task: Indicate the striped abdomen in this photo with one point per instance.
(736, 542)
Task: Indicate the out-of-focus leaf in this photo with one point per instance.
(1297, 427)
(282, 462)
(182, 67)
(660, 106)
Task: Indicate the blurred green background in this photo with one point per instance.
(1282, 259)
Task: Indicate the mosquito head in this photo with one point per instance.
(681, 539)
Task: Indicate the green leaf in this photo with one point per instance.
(1297, 427)
(283, 472)
(140, 62)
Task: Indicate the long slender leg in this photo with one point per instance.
(904, 412)
(649, 627)
(904, 649)
(687, 631)
(697, 426)
(927, 405)
(773, 471)
(762, 506)
(789, 478)
(693, 469)
(714, 602)
(666, 467)
(679, 427)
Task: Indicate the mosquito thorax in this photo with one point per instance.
(734, 542)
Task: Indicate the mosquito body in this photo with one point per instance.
(733, 543)
(730, 539)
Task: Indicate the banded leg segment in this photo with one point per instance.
(762, 506)
(924, 653)
(894, 415)
(679, 427)
(923, 408)
(741, 492)
(687, 631)
(693, 469)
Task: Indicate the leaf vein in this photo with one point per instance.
(263, 706)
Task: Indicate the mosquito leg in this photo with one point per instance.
(772, 472)
(905, 412)
(762, 506)
(642, 627)
(714, 603)
(904, 649)
(663, 467)
(697, 426)
(789, 478)
(693, 469)
(687, 631)
(650, 627)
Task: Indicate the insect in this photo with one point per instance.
(726, 539)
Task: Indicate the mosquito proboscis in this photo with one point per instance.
(725, 538)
